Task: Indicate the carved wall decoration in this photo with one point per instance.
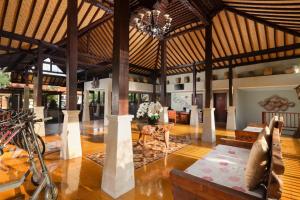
(276, 103)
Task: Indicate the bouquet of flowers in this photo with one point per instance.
(149, 111)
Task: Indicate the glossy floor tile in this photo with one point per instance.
(81, 178)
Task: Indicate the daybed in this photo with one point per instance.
(220, 174)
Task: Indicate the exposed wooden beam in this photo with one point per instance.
(30, 40)
(39, 79)
(244, 55)
(154, 77)
(120, 58)
(244, 64)
(9, 48)
(257, 53)
(89, 27)
(20, 58)
(262, 21)
(163, 73)
(198, 12)
(230, 83)
(195, 28)
(208, 66)
(101, 5)
(72, 55)
(194, 85)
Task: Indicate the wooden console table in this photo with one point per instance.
(155, 131)
(183, 117)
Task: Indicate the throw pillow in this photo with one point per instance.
(267, 134)
(257, 163)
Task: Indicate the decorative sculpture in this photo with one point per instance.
(276, 103)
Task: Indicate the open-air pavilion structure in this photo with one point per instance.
(96, 45)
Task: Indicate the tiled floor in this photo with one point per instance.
(81, 178)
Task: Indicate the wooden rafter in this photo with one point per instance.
(197, 12)
(260, 20)
(107, 8)
(195, 28)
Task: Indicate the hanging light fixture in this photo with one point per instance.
(149, 23)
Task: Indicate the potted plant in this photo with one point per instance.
(150, 112)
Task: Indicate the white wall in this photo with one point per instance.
(275, 82)
(248, 109)
(133, 86)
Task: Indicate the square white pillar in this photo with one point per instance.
(71, 141)
(71, 176)
(86, 107)
(39, 127)
(164, 117)
(107, 106)
(209, 127)
(231, 121)
(194, 118)
(118, 170)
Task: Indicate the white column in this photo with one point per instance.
(97, 114)
(39, 127)
(26, 98)
(107, 106)
(71, 175)
(231, 121)
(209, 128)
(164, 117)
(71, 142)
(86, 107)
(118, 170)
(194, 118)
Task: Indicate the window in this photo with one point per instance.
(51, 69)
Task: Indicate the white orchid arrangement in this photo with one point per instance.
(149, 110)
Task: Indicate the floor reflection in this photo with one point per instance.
(81, 178)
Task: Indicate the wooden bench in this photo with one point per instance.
(187, 186)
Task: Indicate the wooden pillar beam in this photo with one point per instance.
(208, 65)
(230, 90)
(59, 101)
(194, 84)
(163, 72)
(72, 55)
(154, 77)
(26, 74)
(38, 88)
(120, 58)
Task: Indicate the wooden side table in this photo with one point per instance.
(155, 131)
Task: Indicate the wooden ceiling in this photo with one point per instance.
(244, 32)
(45, 20)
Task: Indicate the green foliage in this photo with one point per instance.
(4, 79)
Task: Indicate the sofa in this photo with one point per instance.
(220, 174)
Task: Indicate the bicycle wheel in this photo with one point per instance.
(31, 143)
(41, 144)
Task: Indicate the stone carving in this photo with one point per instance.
(276, 103)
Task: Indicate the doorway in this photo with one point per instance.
(220, 104)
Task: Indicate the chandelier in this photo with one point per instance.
(149, 23)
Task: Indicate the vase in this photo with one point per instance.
(152, 121)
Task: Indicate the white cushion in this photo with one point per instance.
(225, 166)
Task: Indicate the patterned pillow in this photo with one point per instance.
(257, 163)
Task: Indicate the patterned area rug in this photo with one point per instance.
(153, 151)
